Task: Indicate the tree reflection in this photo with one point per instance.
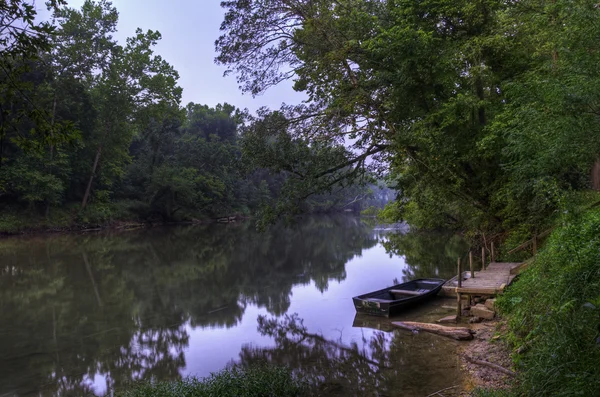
(116, 307)
(427, 254)
(382, 363)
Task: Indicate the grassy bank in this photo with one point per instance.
(257, 381)
(553, 314)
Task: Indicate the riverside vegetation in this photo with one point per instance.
(93, 132)
(482, 115)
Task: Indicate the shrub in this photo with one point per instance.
(554, 313)
(256, 381)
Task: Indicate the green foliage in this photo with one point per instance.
(256, 381)
(484, 114)
(391, 212)
(554, 312)
(370, 211)
(22, 40)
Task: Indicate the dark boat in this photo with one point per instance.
(389, 301)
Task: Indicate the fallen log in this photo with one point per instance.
(458, 333)
(491, 365)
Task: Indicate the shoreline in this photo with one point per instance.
(114, 225)
(487, 345)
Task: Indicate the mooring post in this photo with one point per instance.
(471, 264)
(458, 297)
(483, 258)
(492, 255)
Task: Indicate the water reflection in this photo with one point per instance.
(84, 314)
(427, 255)
(378, 363)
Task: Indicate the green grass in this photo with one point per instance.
(481, 392)
(256, 381)
(553, 313)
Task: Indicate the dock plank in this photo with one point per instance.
(490, 281)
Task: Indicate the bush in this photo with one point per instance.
(554, 313)
(257, 381)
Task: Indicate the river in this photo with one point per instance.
(86, 314)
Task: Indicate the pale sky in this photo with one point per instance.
(189, 29)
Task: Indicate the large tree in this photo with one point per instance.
(411, 83)
(429, 88)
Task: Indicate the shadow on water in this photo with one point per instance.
(83, 314)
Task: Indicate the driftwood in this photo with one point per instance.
(458, 333)
(438, 393)
(491, 365)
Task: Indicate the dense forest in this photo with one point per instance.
(93, 131)
(484, 114)
(481, 115)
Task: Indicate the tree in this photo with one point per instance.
(22, 40)
(123, 81)
(412, 84)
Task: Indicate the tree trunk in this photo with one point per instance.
(52, 126)
(481, 96)
(50, 168)
(89, 185)
(596, 175)
(458, 333)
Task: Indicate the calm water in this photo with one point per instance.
(87, 314)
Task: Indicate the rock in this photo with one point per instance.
(474, 320)
(447, 319)
(466, 313)
(477, 299)
(480, 310)
(490, 304)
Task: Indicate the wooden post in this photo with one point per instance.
(492, 256)
(534, 244)
(471, 264)
(482, 258)
(458, 297)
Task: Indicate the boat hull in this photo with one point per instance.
(384, 303)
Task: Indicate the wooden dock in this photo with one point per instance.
(490, 281)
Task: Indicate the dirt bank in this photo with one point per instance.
(488, 347)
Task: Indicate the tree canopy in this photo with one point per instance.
(483, 112)
(93, 131)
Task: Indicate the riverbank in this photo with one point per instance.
(14, 223)
(488, 346)
(551, 317)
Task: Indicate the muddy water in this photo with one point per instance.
(88, 314)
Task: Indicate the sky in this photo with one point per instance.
(189, 29)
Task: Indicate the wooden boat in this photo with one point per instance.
(389, 301)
